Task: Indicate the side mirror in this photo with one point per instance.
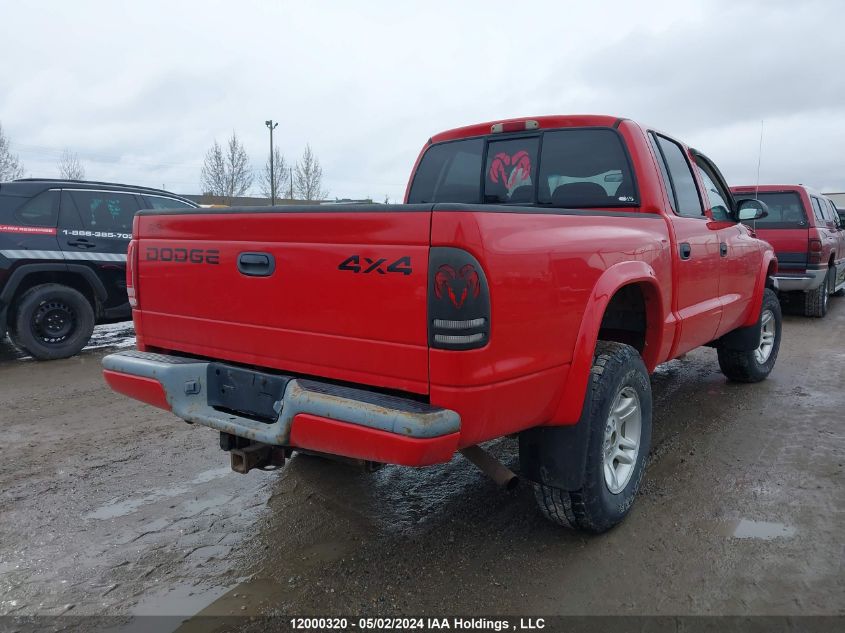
(751, 209)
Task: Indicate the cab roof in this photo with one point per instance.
(33, 185)
(544, 122)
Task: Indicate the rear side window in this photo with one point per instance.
(785, 210)
(449, 172)
(42, 210)
(160, 202)
(817, 209)
(683, 192)
(104, 211)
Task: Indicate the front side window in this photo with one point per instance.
(42, 210)
(105, 211)
(717, 196)
(834, 214)
(683, 191)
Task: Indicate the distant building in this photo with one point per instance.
(252, 201)
(838, 199)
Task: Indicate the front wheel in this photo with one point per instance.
(52, 321)
(617, 410)
(756, 364)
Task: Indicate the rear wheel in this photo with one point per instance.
(834, 292)
(52, 321)
(816, 301)
(618, 414)
(756, 364)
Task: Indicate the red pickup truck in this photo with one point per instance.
(538, 271)
(807, 234)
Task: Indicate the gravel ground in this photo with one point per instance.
(111, 507)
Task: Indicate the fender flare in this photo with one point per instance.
(571, 401)
(756, 304)
(22, 272)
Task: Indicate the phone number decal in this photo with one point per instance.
(113, 236)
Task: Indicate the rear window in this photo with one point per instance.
(160, 202)
(785, 210)
(574, 168)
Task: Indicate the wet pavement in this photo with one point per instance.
(111, 507)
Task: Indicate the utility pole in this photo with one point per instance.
(291, 183)
(272, 127)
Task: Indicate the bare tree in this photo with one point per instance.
(10, 164)
(70, 167)
(281, 177)
(226, 173)
(308, 177)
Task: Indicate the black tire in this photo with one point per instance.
(746, 365)
(833, 291)
(816, 301)
(52, 321)
(594, 508)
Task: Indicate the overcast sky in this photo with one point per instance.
(141, 90)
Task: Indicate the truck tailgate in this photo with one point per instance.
(337, 292)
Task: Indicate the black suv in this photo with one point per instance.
(63, 259)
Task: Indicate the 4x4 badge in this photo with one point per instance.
(358, 264)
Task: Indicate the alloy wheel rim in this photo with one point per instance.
(622, 439)
(767, 337)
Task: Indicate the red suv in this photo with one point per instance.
(809, 239)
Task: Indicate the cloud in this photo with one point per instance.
(141, 90)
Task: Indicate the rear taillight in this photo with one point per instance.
(458, 300)
(132, 273)
(815, 251)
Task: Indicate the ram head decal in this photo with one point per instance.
(457, 285)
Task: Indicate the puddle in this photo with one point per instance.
(179, 600)
(764, 530)
(115, 509)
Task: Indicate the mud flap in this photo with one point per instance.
(555, 455)
(743, 339)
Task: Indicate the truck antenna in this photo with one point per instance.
(759, 159)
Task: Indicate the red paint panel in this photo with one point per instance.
(494, 410)
(358, 442)
(143, 389)
(311, 315)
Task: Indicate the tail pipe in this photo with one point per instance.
(492, 467)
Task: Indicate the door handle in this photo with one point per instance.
(256, 264)
(686, 250)
(81, 243)
(723, 249)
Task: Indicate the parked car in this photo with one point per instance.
(538, 272)
(809, 240)
(63, 259)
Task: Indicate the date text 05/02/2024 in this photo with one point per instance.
(419, 624)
